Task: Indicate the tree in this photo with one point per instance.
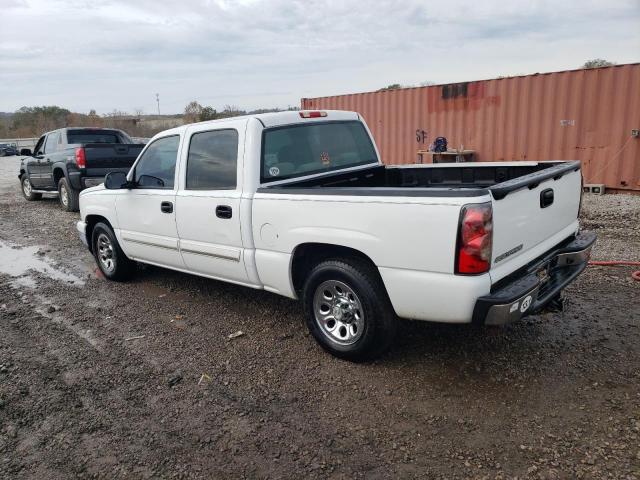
(208, 113)
(33, 121)
(597, 63)
(393, 86)
(192, 112)
(231, 111)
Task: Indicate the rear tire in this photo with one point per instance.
(348, 310)
(27, 189)
(111, 260)
(69, 198)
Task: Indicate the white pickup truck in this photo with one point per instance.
(299, 204)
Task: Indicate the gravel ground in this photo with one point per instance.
(140, 380)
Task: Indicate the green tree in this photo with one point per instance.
(208, 113)
(37, 120)
(393, 86)
(597, 63)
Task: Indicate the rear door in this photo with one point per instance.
(208, 202)
(531, 220)
(147, 213)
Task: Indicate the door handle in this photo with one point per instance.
(166, 207)
(546, 198)
(224, 211)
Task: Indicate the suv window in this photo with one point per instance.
(212, 161)
(51, 144)
(306, 149)
(156, 168)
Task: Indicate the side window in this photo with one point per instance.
(156, 168)
(213, 160)
(39, 146)
(51, 144)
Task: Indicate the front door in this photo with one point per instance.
(34, 164)
(46, 164)
(208, 205)
(147, 212)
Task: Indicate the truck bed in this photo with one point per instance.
(456, 179)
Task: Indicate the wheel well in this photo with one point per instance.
(92, 221)
(58, 173)
(307, 255)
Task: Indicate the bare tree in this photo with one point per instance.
(192, 112)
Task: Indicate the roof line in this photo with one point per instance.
(473, 81)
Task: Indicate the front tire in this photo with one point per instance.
(69, 198)
(348, 310)
(27, 189)
(111, 260)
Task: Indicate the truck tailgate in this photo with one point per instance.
(102, 158)
(532, 214)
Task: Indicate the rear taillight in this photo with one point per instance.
(81, 160)
(314, 114)
(473, 253)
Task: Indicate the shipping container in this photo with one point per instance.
(587, 115)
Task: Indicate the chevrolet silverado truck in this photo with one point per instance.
(70, 159)
(299, 204)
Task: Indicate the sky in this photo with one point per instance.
(117, 54)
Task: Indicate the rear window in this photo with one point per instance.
(95, 136)
(298, 150)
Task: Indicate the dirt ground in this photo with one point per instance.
(140, 380)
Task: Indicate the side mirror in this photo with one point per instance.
(26, 152)
(115, 181)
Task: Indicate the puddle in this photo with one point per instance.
(24, 282)
(19, 262)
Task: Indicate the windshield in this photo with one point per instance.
(93, 136)
(298, 150)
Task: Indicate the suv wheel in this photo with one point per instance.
(27, 189)
(347, 309)
(111, 260)
(69, 198)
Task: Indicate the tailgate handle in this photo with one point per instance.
(122, 149)
(546, 197)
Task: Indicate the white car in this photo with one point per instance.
(299, 204)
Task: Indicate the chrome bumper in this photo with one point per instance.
(538, 284)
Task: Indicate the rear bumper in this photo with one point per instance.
(536, 285)
(79, 181)
(88, 182)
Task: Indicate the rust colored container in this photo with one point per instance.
(583, 115)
